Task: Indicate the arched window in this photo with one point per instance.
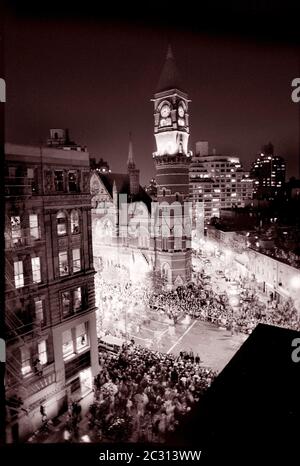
(164, 192)
(61, 221)
(166, 273)
(74, 222)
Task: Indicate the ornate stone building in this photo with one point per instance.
(172, 239)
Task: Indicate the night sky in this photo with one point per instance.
(97, 78)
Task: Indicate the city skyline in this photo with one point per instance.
(84, 84)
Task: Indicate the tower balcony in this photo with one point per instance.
(177, 158)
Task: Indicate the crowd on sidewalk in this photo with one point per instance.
(142, 394)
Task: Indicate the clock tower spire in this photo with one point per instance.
(172, 158)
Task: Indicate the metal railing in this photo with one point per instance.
(18, 186)
(27, 237)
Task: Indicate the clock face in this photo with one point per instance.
(181, 122)
(165, 111)
(180, 111)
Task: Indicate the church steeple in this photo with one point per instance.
(171, 106)
(130, 159)
(133, 172)
(169, 78)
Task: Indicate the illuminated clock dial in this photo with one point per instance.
(165, 111)
(181, 111)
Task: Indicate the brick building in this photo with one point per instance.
(49, 297)
(172, 157)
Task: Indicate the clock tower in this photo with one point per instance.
(172, 158)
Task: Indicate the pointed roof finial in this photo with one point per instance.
(130, 160)
(169, 78)
(170, 51)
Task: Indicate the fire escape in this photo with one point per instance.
(22, 327)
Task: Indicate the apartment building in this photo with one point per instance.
(52, 352)
(218, 181)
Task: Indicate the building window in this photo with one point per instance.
(36, 269)
(16, 231)
(25, 360)
(81, 337)
(61, 220)
(67, 344)
(66, 304)
(74, 222)
(77, 296)
(31, 175)
(72, 181)
(18, 274)
(63, 263)
(12, 172)
(39, 312)
(59, 180)
(76, 260)
(42, 350)
(164, 244)
(34, 226)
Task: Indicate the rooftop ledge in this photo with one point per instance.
(45, 152)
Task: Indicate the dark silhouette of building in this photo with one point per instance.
(268, 173)
(101, 165)
(252, 408)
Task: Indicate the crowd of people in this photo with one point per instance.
(140, 394)
(207, 305)
(196, 300)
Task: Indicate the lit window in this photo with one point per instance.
(63, 263)
(81, 337)
(77, 299)
(59, 180)
(34, 226)
(30, 173)
(61, 223)
(25, 360)
(74, 222)
(36, 269)
(16, 231)
(39, 312)
(72, 181)
(42, 350)
(67, 344)
(76, 260)
(66, 304)
(18, 274)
